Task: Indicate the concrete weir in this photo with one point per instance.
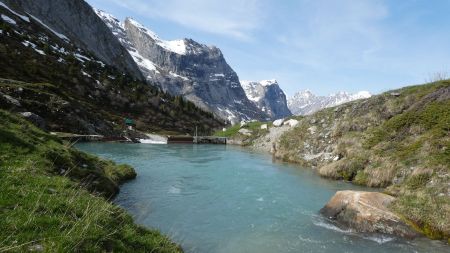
(210, 140)
(197, 140)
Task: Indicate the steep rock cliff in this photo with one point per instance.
(76, 21)
(185, 67)
(267, 96)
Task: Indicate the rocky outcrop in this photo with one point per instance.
(366, 212)
(6, 101)
(35, 119)
(184, 67)
(268, 97)
(76, 92)
(75, 21)
(305, 102)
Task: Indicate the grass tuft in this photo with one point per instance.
(53, 197)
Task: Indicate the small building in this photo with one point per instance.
(130, 123)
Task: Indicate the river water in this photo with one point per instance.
(214, 198)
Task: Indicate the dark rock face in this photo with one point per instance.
(6, 101)
(268, 97)
(35, 119)
(366, 212)
(76, 92)
(76, 20)
(186, 68)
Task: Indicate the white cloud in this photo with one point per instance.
(234, 18)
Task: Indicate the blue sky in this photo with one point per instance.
(322, 45)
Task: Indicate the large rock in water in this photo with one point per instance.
(366, 212)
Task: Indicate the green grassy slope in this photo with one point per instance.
(53, 197)
(399, 141)
(253, 127)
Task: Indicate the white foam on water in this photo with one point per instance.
(309, 240)
(149, 141)
(378, 238)
(327, 225)
(261, 199)
(174, 190)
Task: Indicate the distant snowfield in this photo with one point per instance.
(305, 102)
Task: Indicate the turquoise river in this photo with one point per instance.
(213, 198)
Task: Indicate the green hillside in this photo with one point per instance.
(399, 140)
(75, 92)
(53, 198)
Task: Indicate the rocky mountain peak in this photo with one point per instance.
(77, 21)
(186, 68)
(268, 82)
(305, 102)
(175, 46)
(304, 94)
(268, 97)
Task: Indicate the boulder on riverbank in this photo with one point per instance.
(366, 212)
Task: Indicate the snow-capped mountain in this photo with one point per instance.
(57, 71)
(79, 25)
(305, 102)
(184, 67)
(267, 96)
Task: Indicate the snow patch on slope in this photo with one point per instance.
(252, 90)
(8, 19)
(249, 88)
(59, 35)
(142, 61)
(106, 16)
(32, 45)
(268, 82)
(81, 57)
(25, 18)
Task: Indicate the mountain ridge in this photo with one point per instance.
(84, 29)
(74, 91)
(186, 68)
(305, 102)
(267, 96)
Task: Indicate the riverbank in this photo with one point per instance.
(221, 199)
(398, 140)
(55, 198)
